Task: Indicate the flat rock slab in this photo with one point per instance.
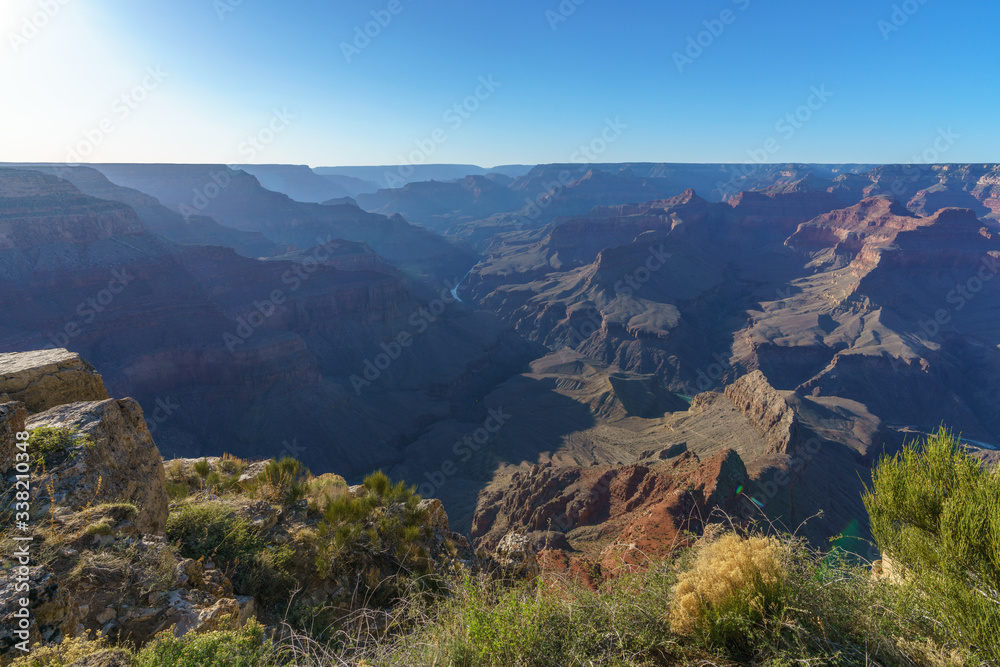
(42, 379)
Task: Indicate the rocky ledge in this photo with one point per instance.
(122, 544)
(42, 379)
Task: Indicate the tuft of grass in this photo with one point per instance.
(324, 489)
(101, 528)
(282, 481)
(232, 465)
(733, 585)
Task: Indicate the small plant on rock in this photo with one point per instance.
(51, 445)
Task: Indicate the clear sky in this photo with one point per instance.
(279, 71)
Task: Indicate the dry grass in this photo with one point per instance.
(728, 572)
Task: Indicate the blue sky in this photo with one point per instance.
(277, 72)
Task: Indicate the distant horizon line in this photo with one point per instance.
(497, 166)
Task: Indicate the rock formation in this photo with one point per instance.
(42, 379)
(611, 517)
(99, 561)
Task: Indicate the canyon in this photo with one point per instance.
(622, 334)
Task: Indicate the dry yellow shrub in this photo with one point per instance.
(725, 569)
(325, 488)
(68, 651)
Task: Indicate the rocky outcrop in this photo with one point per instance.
(13, 416)
(437, 518)
(100, 451)
(42, 379)
(113, 459)
(101, 563)
(593, 522)
(129, 586)
(766, 408)
(596, 508)
(54, 614)
(515, 555)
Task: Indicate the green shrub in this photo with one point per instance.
(376, 534)
(68, 651)
(213, 481)
(215, 532)
(202, 468)
(50, 445)
(178, 490)
(935, 512)
(231, 648)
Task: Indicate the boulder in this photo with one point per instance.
(516, 556)
(253, 471)
(42, 379)
(437, 518)
(116, 460)
(259, 513)
(549, 539)
(194, 611)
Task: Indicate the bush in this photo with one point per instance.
(178, 490)
(231, 648)
(214, 531)
(232, 465)
(324, 489)
(935, 513)
(66, 652)
(377, 533)
(202, 468)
